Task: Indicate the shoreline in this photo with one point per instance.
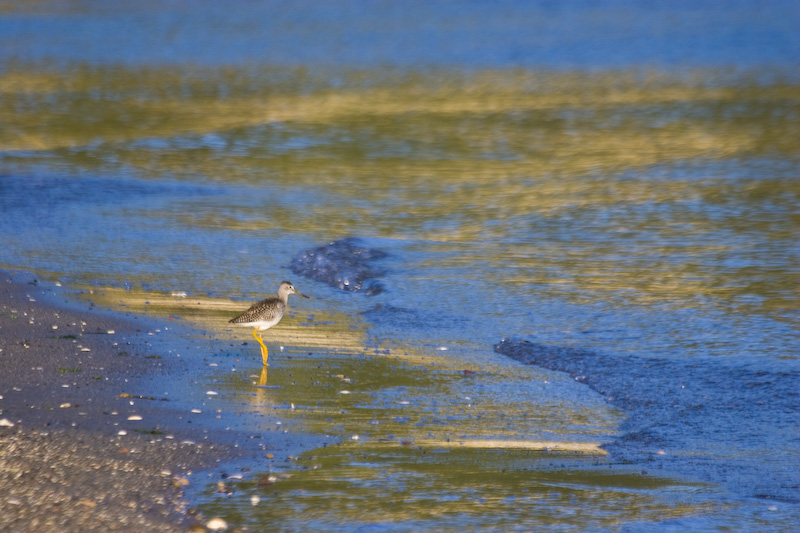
(79, 449)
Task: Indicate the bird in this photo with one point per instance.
(266, 313)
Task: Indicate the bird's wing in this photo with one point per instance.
(265, 310)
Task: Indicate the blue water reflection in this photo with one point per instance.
(474, 34)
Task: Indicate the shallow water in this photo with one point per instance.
(639, 202)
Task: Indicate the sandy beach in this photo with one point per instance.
(76, 450)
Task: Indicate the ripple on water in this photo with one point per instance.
(727, 424)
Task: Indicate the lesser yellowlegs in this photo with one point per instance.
(266, 313)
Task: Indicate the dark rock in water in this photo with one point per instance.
(345, 264)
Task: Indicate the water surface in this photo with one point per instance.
(611, 177)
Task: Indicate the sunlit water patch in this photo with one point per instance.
(375, 487)
(415, 445)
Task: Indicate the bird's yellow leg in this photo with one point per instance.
(264, 350)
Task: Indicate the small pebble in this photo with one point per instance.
(122, 432)
(6, 423)
(212, 393)
(134, 417)
(266, 481)
(216, 524)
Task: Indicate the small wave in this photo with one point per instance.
(704, 418)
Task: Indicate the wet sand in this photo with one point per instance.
(73, 454)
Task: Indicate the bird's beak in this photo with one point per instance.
(300, 294)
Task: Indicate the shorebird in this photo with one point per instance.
(266, 313)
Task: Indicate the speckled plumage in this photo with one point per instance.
(263, 314)
(267, 313)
